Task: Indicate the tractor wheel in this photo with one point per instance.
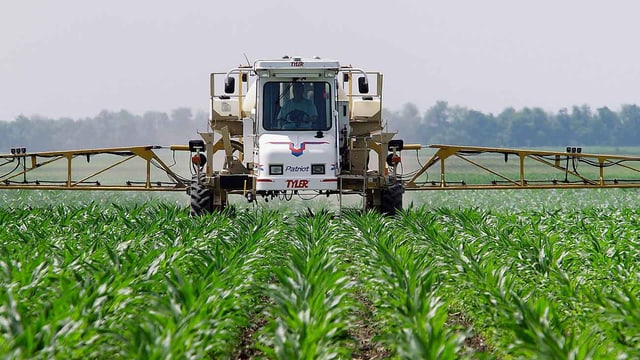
(201, 197)
(372, 200)
(391, 199)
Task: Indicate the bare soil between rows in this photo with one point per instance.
(363, 332)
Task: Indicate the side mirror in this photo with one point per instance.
(196, 145)
(363, 85)
(396, 145)
(230, 85)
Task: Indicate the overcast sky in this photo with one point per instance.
(74, 58)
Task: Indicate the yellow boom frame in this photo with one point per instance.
(555, 162)
(607, 167)
(26, 163)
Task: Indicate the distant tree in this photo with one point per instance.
(152, 125)
(629, 125)
(435, 122)
(454, 130)
(437, 115)
(504, 122)
(481, 129)
(610, 125)
(526, 127)
(597, 133)
(559, 128)
(405, 122)
(580, 119)
(20, 133)
(181, 115)
(541, 126)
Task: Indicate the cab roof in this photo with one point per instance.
(297, 62)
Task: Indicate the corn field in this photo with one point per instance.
(147, 281)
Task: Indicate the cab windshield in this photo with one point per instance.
(296, 105)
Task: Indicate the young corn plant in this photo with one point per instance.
(403, 288)
(100, 280)
(541, 335)
(123, 283)
(621, 311)
(310, 315)
(208, 291)
(500, 275)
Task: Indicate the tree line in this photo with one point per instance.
(527, 127)
(440, 124)
(107, 129)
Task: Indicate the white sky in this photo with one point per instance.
(74, 58)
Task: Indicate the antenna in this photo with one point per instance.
(245, 56)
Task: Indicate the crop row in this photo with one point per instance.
(540, 285)
(148, 281)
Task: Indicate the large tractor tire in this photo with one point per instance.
(372, 200)
(201, 197)
(391, 199)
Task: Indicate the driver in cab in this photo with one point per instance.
(298, 112)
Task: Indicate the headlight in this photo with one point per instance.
(317, 169)
(275, 169)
